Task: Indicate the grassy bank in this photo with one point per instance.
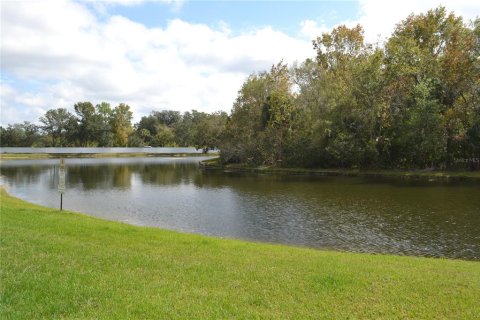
(66, 265)
(18, 156)
(214, 164)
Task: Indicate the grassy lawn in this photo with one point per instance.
(66, 265)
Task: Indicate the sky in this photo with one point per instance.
(167, 54)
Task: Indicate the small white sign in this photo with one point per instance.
(61, 177)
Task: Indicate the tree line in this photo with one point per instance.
(104, 126)
(412, 102)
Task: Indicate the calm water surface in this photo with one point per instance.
(354, 214)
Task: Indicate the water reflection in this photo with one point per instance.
(99, 174)
(379, 215)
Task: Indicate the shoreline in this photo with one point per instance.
(24, 156)
(213, 164)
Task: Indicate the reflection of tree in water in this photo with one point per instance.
(119, 176)
(26, 174)
(122, 177)
(88, 177)
(168, 174)
(99, 177)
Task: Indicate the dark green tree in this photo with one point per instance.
(56, 123)
(89, 124)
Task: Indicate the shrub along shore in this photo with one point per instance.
(68, 265)
(431, 175)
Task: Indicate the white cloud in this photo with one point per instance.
(380, 17)
(311, 29)
(73, 56)
(11, 98)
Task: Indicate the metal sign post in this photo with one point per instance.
(61, 181)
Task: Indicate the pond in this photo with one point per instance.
(341, 213)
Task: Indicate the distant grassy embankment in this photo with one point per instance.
(214, 164)
(22, 156)
(66, 265)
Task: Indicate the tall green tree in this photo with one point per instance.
(184, 132)
(89, 124)
(104, 114)
(347, 123)
(208, 129)
(241, 141)
(56, 123)
(439, 48)
(121, 123)
(425, 130)
(261, 118)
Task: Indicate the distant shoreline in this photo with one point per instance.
(213, 164)
(21, 156)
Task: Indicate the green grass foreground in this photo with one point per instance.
(67, 265)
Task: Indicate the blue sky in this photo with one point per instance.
(243, 15)
(167, 54)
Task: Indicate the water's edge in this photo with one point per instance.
(4, 190)
(441, 176)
